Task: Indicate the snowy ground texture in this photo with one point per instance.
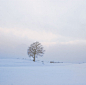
(26, 72)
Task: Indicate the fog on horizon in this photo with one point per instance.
(59, 25)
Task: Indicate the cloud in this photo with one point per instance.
(75, 42)
(63, 17)
(24, 36)
(28, 34)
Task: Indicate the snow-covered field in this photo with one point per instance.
(26, 72)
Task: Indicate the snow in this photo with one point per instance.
(26, 72)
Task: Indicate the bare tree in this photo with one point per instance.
(35, 50)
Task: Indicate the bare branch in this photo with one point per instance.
(35, 49)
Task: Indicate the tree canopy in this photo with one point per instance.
(35, 49)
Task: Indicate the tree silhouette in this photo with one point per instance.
(35, 50)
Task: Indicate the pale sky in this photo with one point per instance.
(59, 25)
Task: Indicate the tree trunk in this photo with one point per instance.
(34, 58)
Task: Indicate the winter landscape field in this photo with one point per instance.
(52, 31)
(27, 72)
